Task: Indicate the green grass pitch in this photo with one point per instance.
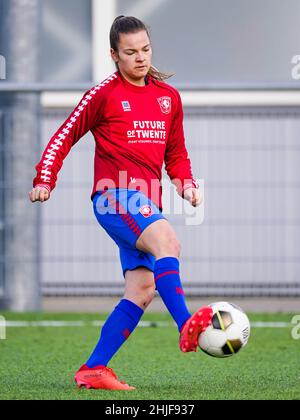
(39, 363)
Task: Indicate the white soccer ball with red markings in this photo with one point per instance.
(229, 332)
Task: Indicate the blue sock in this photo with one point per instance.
(117, 329)
(168, 284)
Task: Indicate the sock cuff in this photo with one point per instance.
(167, 263)
(131, 309)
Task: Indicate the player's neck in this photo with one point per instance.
(140, 82)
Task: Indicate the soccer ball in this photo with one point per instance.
(229, 332)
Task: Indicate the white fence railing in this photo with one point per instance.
(245, 145)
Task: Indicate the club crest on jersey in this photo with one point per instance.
(165, 104)
(146, 211)
(126, 106)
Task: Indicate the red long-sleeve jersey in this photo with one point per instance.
(136, 130)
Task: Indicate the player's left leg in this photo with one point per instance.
(139, 293)
(161, 241)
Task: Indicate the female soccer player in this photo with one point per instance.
(137, 122)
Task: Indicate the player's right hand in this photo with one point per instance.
(39, 194)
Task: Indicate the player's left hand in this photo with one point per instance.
(194, 196)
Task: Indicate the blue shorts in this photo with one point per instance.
(124, 214)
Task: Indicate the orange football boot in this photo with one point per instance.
(100, 377)
(194, 326)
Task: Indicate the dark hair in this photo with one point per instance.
(129, 25)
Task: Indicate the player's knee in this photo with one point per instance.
(160, 240)
(170, 247)
(141, 294)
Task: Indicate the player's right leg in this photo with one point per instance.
(161, 241)
(139, 293)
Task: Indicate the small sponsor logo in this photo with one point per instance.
(179, 291)
(126, 334)
(246, 334)
(96, 375)
(146, 211)
(165, 104)
(126, 106)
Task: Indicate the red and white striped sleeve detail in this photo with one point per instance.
(82, 120)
